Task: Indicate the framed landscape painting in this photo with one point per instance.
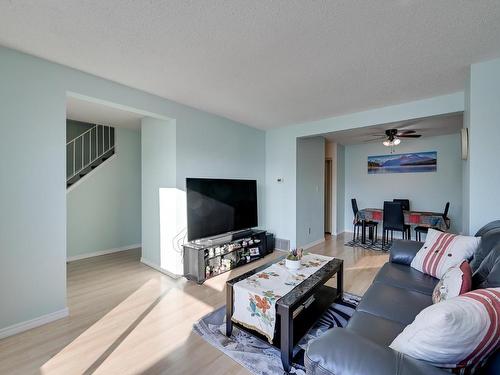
(403, 163)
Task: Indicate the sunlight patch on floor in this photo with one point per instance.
(94, 347)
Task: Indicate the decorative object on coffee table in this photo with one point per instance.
(292, 260)
(271, 294)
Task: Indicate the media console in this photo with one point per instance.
(203, 261)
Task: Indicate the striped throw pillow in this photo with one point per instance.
(459, 333)
(442, 251)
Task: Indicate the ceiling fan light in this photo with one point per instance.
(397, 141)
(387, 143)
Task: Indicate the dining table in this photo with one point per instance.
(414, 218)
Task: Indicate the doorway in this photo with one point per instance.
(328, 196)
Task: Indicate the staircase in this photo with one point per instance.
(87, 151)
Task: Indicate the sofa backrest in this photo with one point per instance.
(491, 225)
(488, 273)
(486, 262)
(490, 237)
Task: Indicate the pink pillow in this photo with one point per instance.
(456, 281)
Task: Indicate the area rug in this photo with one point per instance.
(369, 245)
(258, 356)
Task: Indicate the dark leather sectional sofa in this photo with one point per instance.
(396, 296)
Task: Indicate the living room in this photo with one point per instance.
(230, 98)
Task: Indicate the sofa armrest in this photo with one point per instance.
(403, 251)
(342, 352)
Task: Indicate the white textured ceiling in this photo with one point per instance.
(426, 127)
(264, 63)
(95, 113)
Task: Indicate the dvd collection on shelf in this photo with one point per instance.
(225, 257)
(205, 260)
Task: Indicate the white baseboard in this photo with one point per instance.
(159, 269)
(311, 244)
(103, 252)
(29, 324)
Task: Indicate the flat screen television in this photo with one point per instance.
(217, 206)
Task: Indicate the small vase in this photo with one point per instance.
(292, 264)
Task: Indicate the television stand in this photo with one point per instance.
(225, 238)
(206, 260)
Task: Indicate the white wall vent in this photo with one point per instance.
(282, 244)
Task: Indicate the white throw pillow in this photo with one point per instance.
(457, 333)
(443, 250)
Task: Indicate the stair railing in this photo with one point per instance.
(89, 141)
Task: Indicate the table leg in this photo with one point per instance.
(340, 281)
(229, 309)
(286, 339)
(363, 232)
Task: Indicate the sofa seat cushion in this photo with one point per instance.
(340, 351)
(393, 303)
(406, 277)
(375, 328)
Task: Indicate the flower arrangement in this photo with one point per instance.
(292, 260)
(295, 254)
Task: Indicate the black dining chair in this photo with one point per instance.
(371, 225)
(420, 229)
(404, 202)
(394, 220)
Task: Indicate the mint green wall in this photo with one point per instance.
(158, 150)
(104, 209)
(33, 193)
(32, 189)
(484, 128)
(310, 190)
(341, 188)
(427, 191)
(221, 149)
(281, 151)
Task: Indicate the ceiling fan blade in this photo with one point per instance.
(374, 139)
(409, 136)
(409, 123)
(407, 132)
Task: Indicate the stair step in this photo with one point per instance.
(72, 180)
(91, 167)
(83, 172)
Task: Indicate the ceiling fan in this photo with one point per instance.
(392, 137)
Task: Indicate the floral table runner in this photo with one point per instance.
(254, 299)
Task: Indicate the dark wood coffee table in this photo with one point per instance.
(296, 311)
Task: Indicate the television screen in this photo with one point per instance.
(216, 206)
